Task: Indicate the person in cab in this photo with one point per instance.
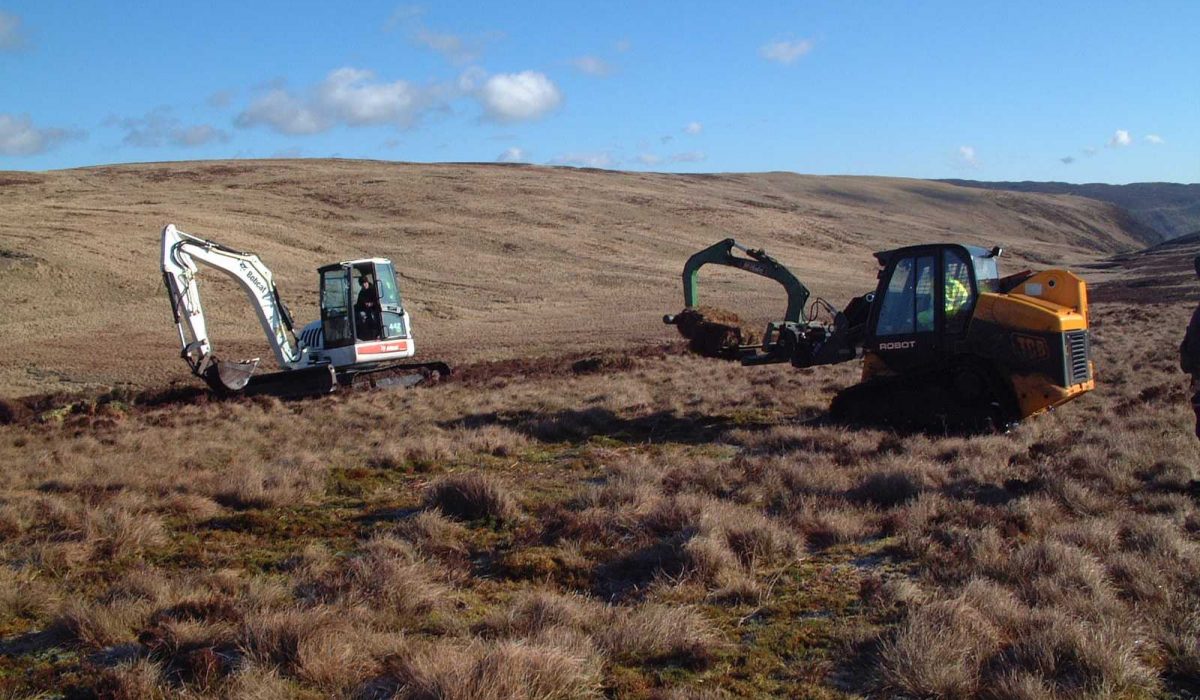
(366, 310)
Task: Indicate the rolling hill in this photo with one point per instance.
(1172, 209)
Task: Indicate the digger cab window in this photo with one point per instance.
(908, 302)
(987, 273)
(394, 323)
(336, 321)
(366, 301)
(956, 289)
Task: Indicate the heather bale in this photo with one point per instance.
(713, 332)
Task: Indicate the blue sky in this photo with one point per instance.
(1074, 91)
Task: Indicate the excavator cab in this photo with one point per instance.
(361, 309)
(925, 299)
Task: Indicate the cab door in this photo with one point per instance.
(904, 321)
(337, 319)
(959, 293)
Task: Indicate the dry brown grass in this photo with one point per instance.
(257, 485)
(496, 671)
(648, 633)
(646, 532)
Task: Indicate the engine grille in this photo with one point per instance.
(1078, 355)
(312, 338)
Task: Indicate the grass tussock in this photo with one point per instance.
(472, 496)
(496, 671)
(266, 485)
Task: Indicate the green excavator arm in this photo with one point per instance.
(757, 262)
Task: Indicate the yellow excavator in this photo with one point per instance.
(945, 340)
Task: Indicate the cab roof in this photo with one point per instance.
(351, 263)
(974, 251)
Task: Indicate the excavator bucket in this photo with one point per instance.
(225, 377)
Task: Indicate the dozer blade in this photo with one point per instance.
(293, 384)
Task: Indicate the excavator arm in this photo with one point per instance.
(180, 254)
(797, 339)
(757, 262)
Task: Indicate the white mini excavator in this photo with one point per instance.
(363, 336)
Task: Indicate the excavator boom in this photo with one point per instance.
(180, 254)
(756, 262)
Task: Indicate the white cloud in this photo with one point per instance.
(449, 45)
(11, 36)
(281, 111)
(651, 159)
(967, 157)
(19, 137)
(622, 45)
(220, 99)
(512, 154)
(198, 135)
(693, 128)
(1155, 139)
(1120, 139)
(598, 159)
(402, 15)
(470, 79)
(591, 66)
(347, 96)
(159, 127)
(455, 48)
(510, 97)
(785, 52)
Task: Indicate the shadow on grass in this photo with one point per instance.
(630, 575)
(386, 515)
(32, 642)
(581, 425)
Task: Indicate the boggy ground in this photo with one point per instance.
(668, 527)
